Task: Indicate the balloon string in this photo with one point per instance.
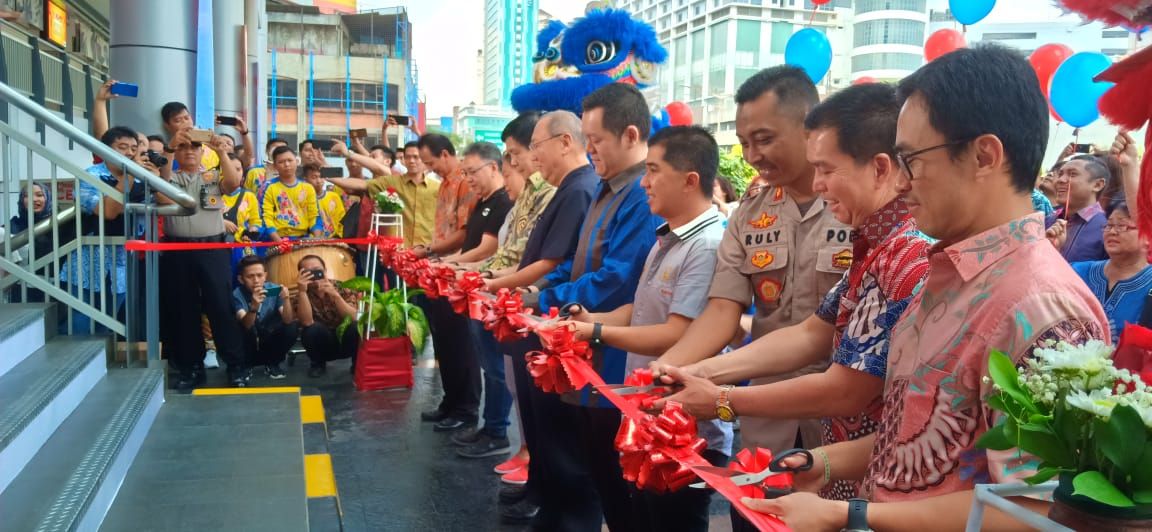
(812, 17)
(1068, 195)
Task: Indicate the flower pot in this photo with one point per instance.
(1081, 513)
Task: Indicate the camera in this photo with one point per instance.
(157, 160)
(317, 274)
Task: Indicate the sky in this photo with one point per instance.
(447, 33)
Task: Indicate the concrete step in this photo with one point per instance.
(218, 462)
(70, 483)
(39, 393)
(22, 332)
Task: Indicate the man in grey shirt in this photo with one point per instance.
(198, 282)
(681, 170)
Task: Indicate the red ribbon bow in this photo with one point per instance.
(284, 246)
(462, 292)
(755, 461)
(644, 377)
(654, 449)
(563, 365)
(504, 316)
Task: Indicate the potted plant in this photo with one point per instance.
(1089, 425)
(388, 202)
(398, 331)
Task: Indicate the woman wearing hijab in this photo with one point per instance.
(25, 219)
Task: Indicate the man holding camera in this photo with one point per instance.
(321, 308)
(192, 279)
(265, 316)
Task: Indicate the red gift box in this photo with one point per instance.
(384, 363)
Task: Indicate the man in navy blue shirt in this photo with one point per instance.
(560, 153)
(583, 482)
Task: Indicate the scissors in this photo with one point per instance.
(776, 467)
(661, 390)
(565, 313)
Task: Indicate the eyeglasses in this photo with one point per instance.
(1119, 228)
(903, 159)
(472, 171)
(534, 145)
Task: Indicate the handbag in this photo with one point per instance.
(384, 363)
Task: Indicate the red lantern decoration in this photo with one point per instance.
(942, 42)
(679, 114)
(864, 80)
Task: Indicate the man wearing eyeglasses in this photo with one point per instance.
(994, 283)
(783, 250)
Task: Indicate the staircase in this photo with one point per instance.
(69, 428)
(85, 448)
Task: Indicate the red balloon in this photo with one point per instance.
(942, 42)
(1046, 59)
(862, 80)
(820, 2)
(679, 114)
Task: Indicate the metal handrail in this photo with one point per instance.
(20, 239)
(89, 143)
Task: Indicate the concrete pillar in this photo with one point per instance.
(153, 44)
(229, 60)
(256, 95)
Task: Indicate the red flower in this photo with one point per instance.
(390, 190)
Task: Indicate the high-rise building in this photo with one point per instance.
(509, 42)
(715, 45)
(888, 38)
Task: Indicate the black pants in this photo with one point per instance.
(269, 345)
(195, 283)
(457, 358)
(525, 406)
(578, 468)
(322, 344)
(683, 511)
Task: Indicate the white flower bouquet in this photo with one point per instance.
(1086, 420)
(388, 202)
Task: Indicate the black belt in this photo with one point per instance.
(195, 239)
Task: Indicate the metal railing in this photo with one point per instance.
(70, 251)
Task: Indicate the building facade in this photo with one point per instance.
(888, 38)
(329, 73)
(509, 41)
(480, 123)
(715, 45)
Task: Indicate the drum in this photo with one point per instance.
(339, 258)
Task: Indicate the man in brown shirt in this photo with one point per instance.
(782, 250)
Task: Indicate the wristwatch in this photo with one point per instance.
(857, 516)
(723, 407)
(597, 330)
(487, 274)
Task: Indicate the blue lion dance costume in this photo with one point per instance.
(604, 46)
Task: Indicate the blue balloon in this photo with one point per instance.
(968, 12)
(809, 50)
(1073, 93)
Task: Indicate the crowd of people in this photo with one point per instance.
(893, 237)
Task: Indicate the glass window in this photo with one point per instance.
(1009, 36)
(888, 31)
(284, 94)
(886, 61)
(867, 6)
(781, 32)
(1114, 34)
(747, 43)
(717, 77)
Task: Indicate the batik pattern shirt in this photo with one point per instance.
(522, 219)
(454, 203)
(1006, 289)
(889, 260)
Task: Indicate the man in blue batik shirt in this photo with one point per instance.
(92, 269)
(583, 483)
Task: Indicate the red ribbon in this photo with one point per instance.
(755, 461)
(563, 365)
(463, 294)
(654, 450)
(284, 245)
(506, 317)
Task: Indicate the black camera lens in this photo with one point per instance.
(156, 159)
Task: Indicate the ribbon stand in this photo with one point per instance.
(387, 225)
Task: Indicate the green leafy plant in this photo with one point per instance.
(737, 171)
(390, 314)
(1082, 417)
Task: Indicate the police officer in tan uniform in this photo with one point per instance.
(783, 250)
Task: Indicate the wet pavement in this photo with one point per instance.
(393, 472)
